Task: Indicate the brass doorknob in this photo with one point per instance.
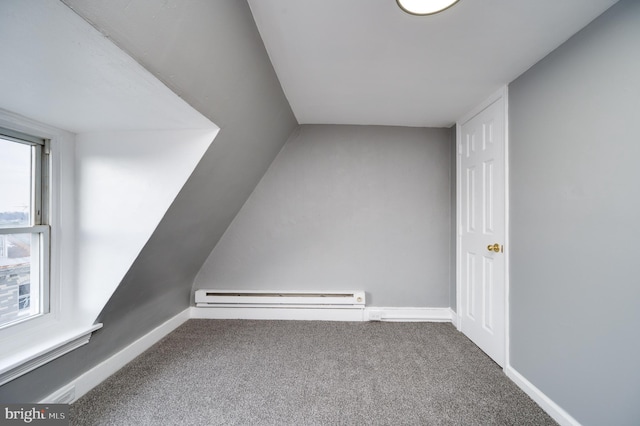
(494, 247)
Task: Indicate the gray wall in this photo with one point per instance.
(575, 221)
(346, 207)
(209, 53)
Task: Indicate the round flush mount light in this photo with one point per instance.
(425, 7)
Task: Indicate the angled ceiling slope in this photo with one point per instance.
(367, 62)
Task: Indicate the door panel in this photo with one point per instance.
(482, 225)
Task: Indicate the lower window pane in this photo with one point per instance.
(19, 282)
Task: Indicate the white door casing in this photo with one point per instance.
(481, 224)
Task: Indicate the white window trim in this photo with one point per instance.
(29, 344)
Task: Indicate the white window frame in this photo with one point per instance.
(38, 225)
(29, 344)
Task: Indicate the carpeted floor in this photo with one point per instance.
(235, 372)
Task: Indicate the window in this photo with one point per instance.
(40, 319)
(24, 227)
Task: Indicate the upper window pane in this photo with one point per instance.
(15, 184)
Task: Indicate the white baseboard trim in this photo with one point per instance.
(408, 314)
(87, 381)
(454, 318)
(261, 313)
(326, 314)
(553, 409)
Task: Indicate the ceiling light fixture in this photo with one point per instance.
(425, 7)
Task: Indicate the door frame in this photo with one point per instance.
(501, 94)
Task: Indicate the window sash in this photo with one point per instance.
(20, 137)
(39, 176)
(35, 229)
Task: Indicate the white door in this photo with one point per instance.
(481, 229)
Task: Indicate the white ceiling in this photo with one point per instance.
(367, 62)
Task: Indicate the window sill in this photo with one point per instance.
(45, 351)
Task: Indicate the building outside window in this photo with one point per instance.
(24, 230)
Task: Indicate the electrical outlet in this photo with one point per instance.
(375, 315)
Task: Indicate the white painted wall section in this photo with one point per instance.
(126, 181)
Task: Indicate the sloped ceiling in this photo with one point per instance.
(367, 62)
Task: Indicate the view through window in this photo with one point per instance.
(24, 235)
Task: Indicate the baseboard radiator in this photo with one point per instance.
(279, 299)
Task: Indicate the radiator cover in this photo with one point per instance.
(248, 298)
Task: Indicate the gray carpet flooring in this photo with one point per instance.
(236, 372)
